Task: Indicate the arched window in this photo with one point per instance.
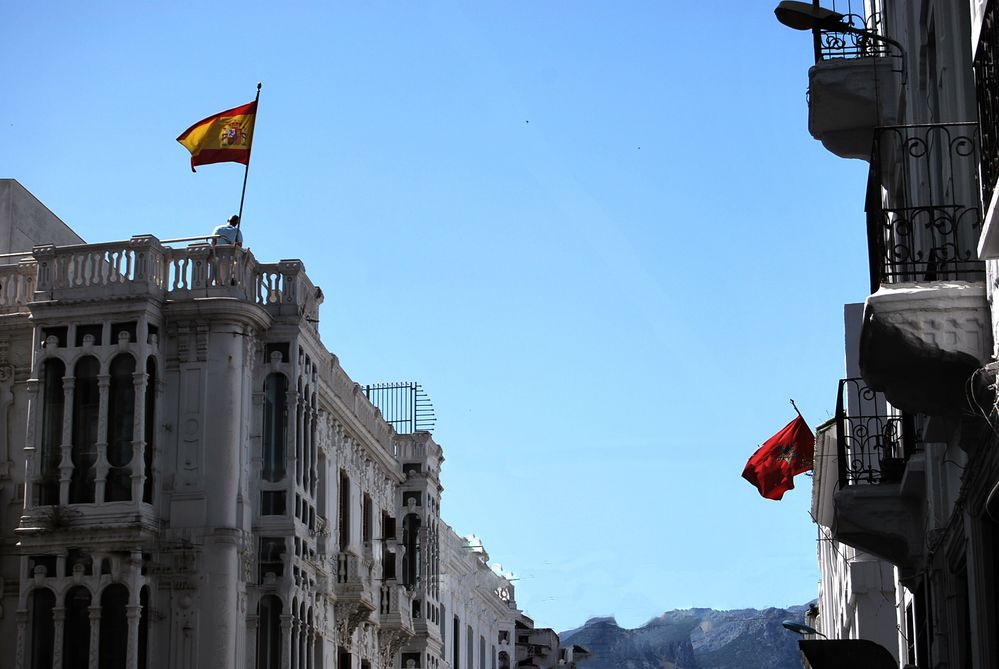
(504, 660)
(482, 652)
(53, 404)
(275, 427)
(121, 423)
(150, 419)
(269, 633)
(86, 406)
(76, 632)
(411, 559)
(42, 628)
(113, 642)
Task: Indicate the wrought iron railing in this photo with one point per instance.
(874, 440)
(923, 209)
(404, 405)
(837, 44)
(987, 90)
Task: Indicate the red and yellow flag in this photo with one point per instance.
(222, 138)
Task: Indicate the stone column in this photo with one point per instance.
(306, 443)
(310, 653)
(138, 463)
(134, 614)
(286, 641)
(290, 452)
(294, 643)
(299, 437)
(32, 469)
(101, 466)
(22, 638)
(59, 624)
(95, 636)
(314, 442)
(66, 447)
(252, 622)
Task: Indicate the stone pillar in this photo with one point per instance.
(252, 622)
(134, 614)
(95, 636)
(315, 453)
(101, 466)
(299, 437)
(294, 643)
(138, 463)
(306, 443)
(286, 641)
(22, 638)
(291, 453)
(310, 653)
(32, 468)
(66, 447)
(59, 624)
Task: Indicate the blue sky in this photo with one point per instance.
(597, 233)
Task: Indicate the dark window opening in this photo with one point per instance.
(271, 557)
(411, 560)
(342, 658)
(388, 526)
(412, 468)
(83, 331)
(121, 421)
(275, 427)
(366, 518)
(144, 626)
(86, 406)
(113, 627)
(53, 405)
(412, 495)
(273, 503)
(269, 633)
(76, 630)
(344, 510)
(280, 349)
(456, 645)
(150, 429)
(75, 556)
(153, 332)
(128, 328)
(48, 562)
(407, 658)
(42, 628)
(60, 333)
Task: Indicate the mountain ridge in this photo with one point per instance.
(696, 638)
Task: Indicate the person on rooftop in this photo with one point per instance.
(228, 234)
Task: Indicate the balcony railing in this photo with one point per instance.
(831, 44)
(987, 90)
(873, 439)
(144, 266)
(923, 209)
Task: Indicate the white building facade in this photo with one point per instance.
(188, 478)
(912, 87)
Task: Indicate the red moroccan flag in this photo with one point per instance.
(789, 452)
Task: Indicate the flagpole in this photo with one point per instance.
(249, 152)
(799, 413)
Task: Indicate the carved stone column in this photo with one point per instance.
(66, 447)
(133, 613)
(59, 625)
(286, 644)
(22, 638)
(101, 465)
(138, 464)
(95, 636)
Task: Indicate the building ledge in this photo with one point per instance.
(848, 98)
(921, 342)
(879, 520)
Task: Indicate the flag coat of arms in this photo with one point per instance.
(221, 138)
(773, 467)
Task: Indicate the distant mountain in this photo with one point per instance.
(694, 639)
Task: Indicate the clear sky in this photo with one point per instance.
(598, 233)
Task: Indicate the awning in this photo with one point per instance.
(846, 654)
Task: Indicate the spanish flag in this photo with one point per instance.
(222, 138)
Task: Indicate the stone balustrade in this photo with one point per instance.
(144, 266)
